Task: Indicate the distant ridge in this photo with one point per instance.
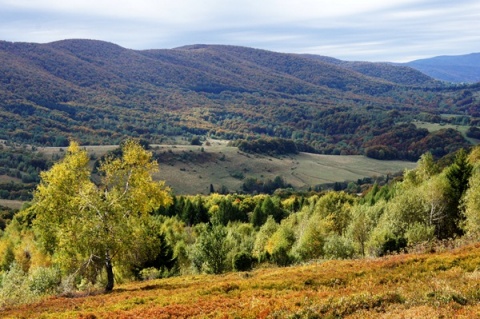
(450, 68)
(394, 73)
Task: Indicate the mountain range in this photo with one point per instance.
(458, 68)
(100, 93)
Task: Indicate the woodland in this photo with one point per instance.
(101, 93)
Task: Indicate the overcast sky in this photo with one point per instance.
(366, 30)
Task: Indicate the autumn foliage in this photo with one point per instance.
(417, 285)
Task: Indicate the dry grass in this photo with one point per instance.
(403, 286)
(301, 170)
(15, 204)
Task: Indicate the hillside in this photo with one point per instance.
(454, 68)
(404, 75)
(100, 93)
(443, 285)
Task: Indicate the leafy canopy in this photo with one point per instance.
(87, 225)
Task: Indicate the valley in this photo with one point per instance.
(190, 170)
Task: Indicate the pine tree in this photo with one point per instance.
(457, 175)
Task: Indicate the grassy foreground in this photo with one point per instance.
(434, 285)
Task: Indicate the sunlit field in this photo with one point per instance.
(424, 285)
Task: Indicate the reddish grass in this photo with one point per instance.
(436, 285)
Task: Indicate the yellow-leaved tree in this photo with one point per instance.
(87, 225)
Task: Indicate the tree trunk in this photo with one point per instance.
(109, 268)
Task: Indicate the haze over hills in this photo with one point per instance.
(100, 93)
(458, 68)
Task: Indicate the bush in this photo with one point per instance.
(281, 257)
(150, 273)
(473, 132)
(14, 287)
(44, 280)
(393, 245)
(419, 233)
(243, 261)
(338, 247)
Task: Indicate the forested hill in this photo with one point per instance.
(99, 92)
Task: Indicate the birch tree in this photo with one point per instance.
(89, 226)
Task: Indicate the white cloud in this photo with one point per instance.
(351, 29)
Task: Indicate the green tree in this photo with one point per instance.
(472, 204)
(337, 207)
(89, 226)
(457, 175)
(270, 209)
(211, 249)
(361, 226)
(258, 218)
(189, 212)
(427, 167)
(263, 235)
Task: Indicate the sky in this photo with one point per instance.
(354, 30)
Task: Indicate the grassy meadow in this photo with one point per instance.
(433, 127)
(444, 284)
(191, 169)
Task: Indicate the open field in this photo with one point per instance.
(191, 169)
(435, 285)
(301, 170)
(433, 127)
(15, 204)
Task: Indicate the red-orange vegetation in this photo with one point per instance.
(417, 285)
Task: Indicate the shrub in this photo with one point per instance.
(243, 261)
(14, 288)
(44, 280)
(338, 247)
(150, 273)
(393, 245)
(281, 257)
(418, 233)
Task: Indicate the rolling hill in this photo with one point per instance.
(100, 93)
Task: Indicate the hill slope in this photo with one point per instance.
(398, 74)
(415, 286)
(459, 68)
(100, 93)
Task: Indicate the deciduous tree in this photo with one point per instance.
(87, 225)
